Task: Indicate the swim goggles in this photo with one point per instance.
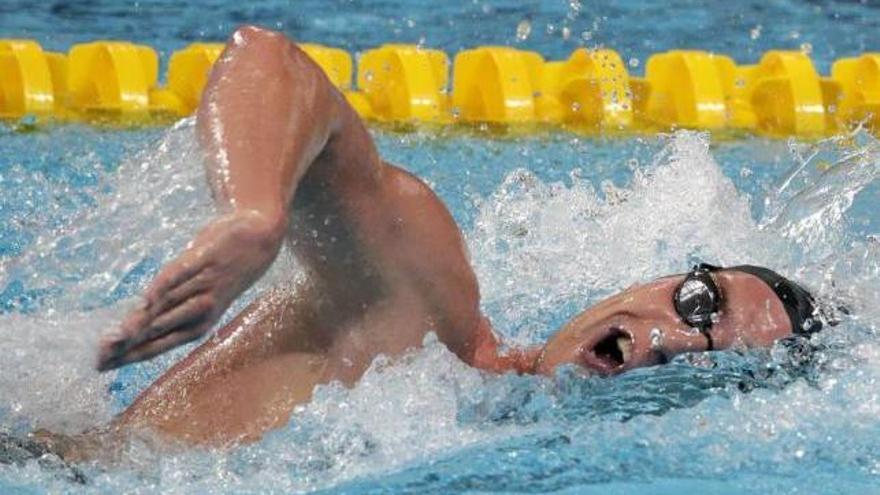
(697, 299)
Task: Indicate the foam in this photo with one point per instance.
(542, 251)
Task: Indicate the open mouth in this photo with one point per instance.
(613, 351)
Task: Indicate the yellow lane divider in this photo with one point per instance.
(496, 84)
(591, 89)
(110, 77)
(688, 89)
(29, 78)
(786, 95)
(781, 95)
(859, 80)
(403, 82)
(188, 71)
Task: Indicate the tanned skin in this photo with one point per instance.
(289, 161)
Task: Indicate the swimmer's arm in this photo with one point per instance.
(267, 113)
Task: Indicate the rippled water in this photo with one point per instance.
(829, 29)
(554, 223)
(545, 241)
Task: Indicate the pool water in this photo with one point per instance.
(554, 222)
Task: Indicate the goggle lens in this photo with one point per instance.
(697, 299)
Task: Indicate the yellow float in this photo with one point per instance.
(405, 83)
(496, 84)
(781, 95)
(687, 88)
(590, 89)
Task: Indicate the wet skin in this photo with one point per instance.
(639, 327)
(289, 161)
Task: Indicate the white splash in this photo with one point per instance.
(539, 249)
(538, 245)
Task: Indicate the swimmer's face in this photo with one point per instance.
(640, 327)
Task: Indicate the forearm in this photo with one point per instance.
(267, 113)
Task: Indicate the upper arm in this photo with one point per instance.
(437, 258)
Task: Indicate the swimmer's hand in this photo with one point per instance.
(192, 292)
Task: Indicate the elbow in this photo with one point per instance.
(250, 34)
(272, 48)
(275, 55)
(249, 50)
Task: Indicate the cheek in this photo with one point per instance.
(660, 337)
(684, 339)
(769, 330)
(563, 349)
(756, 329)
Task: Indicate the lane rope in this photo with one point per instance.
(116, 82)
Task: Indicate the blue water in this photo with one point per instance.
(554, 222)
(636, 28)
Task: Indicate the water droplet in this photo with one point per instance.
(523, 30)
(633, 62)
(566, 33)
(755, 33)
(657, 339)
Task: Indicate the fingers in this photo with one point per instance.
(192, 310)
(117, 342)
(140, 328)
(183, 291)
(153, 348)
(177, 272)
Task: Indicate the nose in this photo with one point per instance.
(633, 331)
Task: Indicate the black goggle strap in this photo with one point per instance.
(710, 344)
(706, 267)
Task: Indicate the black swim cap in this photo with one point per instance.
(798, 302)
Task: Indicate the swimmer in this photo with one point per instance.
(289, 161)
